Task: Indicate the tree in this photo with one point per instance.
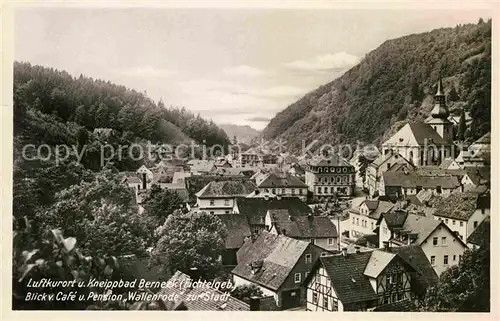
(461, 126)
(246, 292)
(453, 95)
(160, 203)
(464, 287)
(363, 164)
(191, 243)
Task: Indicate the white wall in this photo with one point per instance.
(219, 206)
(476, 217)
(384, 233)
(319, 306)
(454, 225)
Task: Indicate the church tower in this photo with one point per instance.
(439, 115)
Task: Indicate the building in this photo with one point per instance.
(364, 221)
(238, 231)
(359, 281)
(255, 209)
(185, 292)
(330, 177)
(278, 265)
(218, 197)
(474, 178)
(257, 158)
(318, 230)
(438, 119)
(449, 163)
(201, 167)
(282, 184)
(382, 163)
(463, 212)
(481, 235)
(396, 185)
(442, 247)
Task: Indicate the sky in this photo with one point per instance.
(236, 66)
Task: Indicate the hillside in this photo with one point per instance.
(243, 133)
(393, 84)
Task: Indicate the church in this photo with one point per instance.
(425, 143)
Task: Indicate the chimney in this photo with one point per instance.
(357, 249)
(344, 251)
(254, 303)
(144, 182)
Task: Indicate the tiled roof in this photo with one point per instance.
(347, 278)
(398, 306)
(423, 131)
(412, 180)
(132, 180)
(237, 228)
(255, 209)
(226, 189)
(201, 165)
(395, 219)
(483, 230)
(458, 206)
(185, 294)
(377, 263)
(422, 226)
(278, 255)
(273, 180)
(424, 276)
(479, 175)
(332, 160)
(446, 163)
(371, 204)
(303, 226)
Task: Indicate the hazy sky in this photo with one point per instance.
(234, 66)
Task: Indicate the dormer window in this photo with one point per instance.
(326, 169)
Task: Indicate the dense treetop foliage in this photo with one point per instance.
(395, 83)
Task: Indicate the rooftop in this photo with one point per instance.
(302, 226)
(230, 188)
(255, 209)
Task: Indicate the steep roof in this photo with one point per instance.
(185, 293)
(422, 226)
(302, 226)
(371, 204)
(377, 207)
(237, 228)
(394, 219)
(274, 180)
(377, 263)
(347, 278)
(425, 276)
(423, 131)
(255, 209)
(278, 255)
(458, 206)
(226, 189)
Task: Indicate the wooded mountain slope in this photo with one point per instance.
(394, 84)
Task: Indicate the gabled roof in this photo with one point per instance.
(394, 219)
(237, 228)
(331, 160)
(478, 175)
(277, 254)
(185, 293)
(132, 180)
(458, 206)
(412, 180)
(302, 226)
(423, 131)
(482, 231)
(226, 189)
(255, 209)
(425, 276)
(377, 207)
(275, 180)
(377, 263)
(420, 225)
(347, 278)
(446, 163)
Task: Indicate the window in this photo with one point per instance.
(475, 224)
(438, 190)
(385, 230)
(445, 260)
(446, 221)
(344, 169)
(353, 220)
(338, 179)
(338, 169)
(434, 241)
(388, 166)
(330, 241)
(372, 226)
(308, 258)
(325, 302)
(433, 260)
(453, 222)
(323, 254)
(226, 202)
(443, 240)
(315, 298)
(461, 224)
(283, 191)
(267, 190)
(212, 202)
(326, 169)
(319, 190)
(311, 241)
(274, 191)
(483, 211)
(297, 278)
(226, 212)
(331, 190)
(335, 305)
(459, 258)
(454, 258)
(306, 274)
(300, 191)
(293, 191)
(357, 221)
(212, 212)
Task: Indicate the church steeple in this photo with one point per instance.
(440, 110)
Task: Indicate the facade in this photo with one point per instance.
(381, 164)
(257, 158)
(278, 265)
(318, 230)
(364, 220)
(202, 167)
(282, 184)
(330, 177)
(218, 197)
(358, 281)
(442, 247)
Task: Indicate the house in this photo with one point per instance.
(282, 184)
(257, 157)
(398, 184)
(455, 119)
(184, 292)
(201, 167)
(358, 281)
(255, 209)
(364, 221)
(381, 164)
(475, 177)
(442, 247)
(449, 163)
(481, 235)
(329, 177)
(477, 154)
(238, 231)
(463, 212)
(296, 170)
(278, 265)
(132, 181)
(145, 173)
(318, 230)
(180, 177)
(222, 163)
(218, 197)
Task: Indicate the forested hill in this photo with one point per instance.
(393, 84)
(63, 104)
